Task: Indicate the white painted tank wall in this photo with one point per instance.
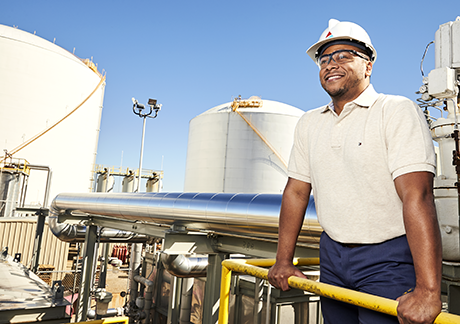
(40, 83)
(226, 155)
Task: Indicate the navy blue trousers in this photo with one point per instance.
(385, 269)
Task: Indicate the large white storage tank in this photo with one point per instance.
(241, 150)
(40, 84)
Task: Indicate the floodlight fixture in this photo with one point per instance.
(138, 109)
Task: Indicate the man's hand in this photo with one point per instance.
(421, 307)
(278, 275)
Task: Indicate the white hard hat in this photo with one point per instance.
(342, 30)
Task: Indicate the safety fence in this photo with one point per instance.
(70, 279)
(256, 268)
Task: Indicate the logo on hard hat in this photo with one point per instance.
(329, 35)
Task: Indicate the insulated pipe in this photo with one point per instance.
(76, 233)
(184, 267)
(254, 215)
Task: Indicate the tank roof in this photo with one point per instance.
(16, 34)
(267, 106)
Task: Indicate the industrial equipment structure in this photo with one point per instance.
(440, 90)
(200, 228)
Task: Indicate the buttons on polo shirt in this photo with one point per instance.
(336, 136)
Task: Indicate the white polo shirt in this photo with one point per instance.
(352, 159)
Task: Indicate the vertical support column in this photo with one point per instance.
(186, 300)
(135, 262)
(453, 297)
(174, 300)
(105, 261)
(276, 310)
(300, 313)
(38, 239)
(268, 303)
(212, 289)
(258, 300)
(85, 284)
(158, 284)
(235, 285)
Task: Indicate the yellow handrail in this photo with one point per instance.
(111, 320)
(380, 304)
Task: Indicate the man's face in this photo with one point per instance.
(346, 80)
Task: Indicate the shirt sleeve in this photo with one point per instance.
(299, 164)
(408, 139)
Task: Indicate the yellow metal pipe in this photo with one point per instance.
(380, 304)
(111, 320)
(224, 294)
(270, 262)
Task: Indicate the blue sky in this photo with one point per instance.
(195, 55)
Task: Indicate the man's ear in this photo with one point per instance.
(369, 66)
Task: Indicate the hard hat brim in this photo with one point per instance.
(313, 50)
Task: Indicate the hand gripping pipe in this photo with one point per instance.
(254, 215)
(254, 268)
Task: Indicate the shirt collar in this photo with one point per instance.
(365, 99)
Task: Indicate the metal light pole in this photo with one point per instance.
(138, 109)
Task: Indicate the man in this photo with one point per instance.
(368, 158)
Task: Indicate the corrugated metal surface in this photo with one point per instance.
(18, 234)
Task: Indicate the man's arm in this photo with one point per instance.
(293, 207)
(424, 303)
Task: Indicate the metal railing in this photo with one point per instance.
(111, 320)
(254, 267)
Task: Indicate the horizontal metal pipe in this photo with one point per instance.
(111, 312)
(76, 233)
(144, 281)
(185, 267)
(254, 215)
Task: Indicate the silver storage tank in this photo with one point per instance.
(40, 84)
(242, 152)
(9, 192)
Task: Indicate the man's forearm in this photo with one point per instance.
(422, 230)
(424, 239)
(293, 207)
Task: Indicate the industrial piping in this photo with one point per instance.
(254, 215)
(185, 267)
(76, 233)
